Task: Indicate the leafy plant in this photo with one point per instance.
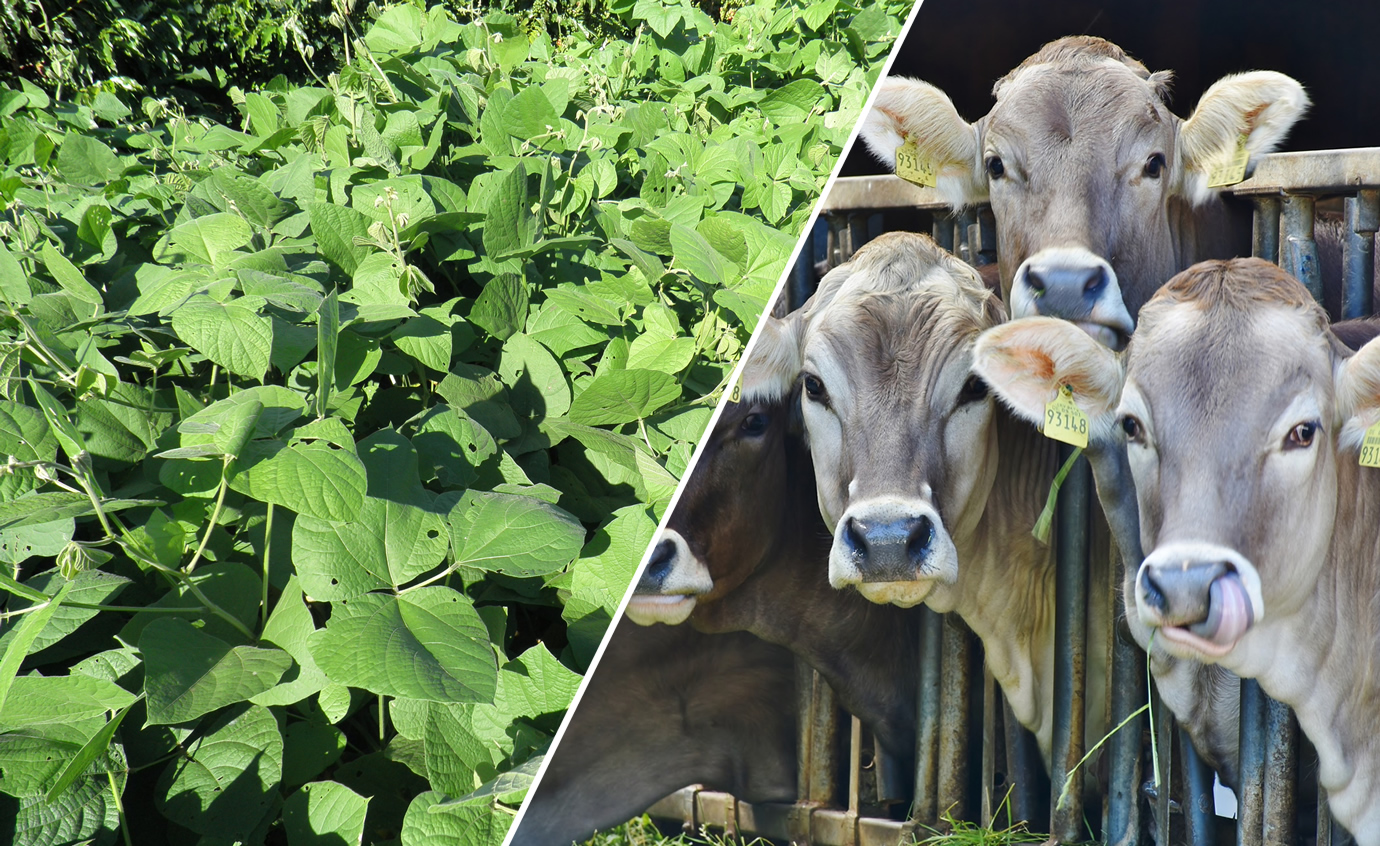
(334, 438)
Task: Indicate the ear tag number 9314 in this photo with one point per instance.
(1065, 421)
(912, 168)
(1370, 447)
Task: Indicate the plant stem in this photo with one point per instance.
(119, 808)
(268, 547)
(215, 516)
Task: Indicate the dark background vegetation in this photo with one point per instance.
(964, 46)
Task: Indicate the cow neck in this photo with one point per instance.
(1325, 660)
(1005, 588)
(1212, 230)
(866, 651)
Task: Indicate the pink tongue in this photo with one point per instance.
(1230, 614)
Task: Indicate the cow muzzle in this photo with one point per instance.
(1073, 284)
(893, 550)
(1201, 597)
(670, 585)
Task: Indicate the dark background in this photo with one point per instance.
(1333, 48)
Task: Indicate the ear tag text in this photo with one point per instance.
(1370, 447)
(1065, 421)
(1233, 171)
(736, 395)
(912, 168)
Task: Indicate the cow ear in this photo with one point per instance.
(774, 361)
(1026, 362)
(1358, 394)
(912, 110)
(1258, 108)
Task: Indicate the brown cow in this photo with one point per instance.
(747, 521)
(1100, 192)
(666, 708)
(1243, 416)
(932, 488)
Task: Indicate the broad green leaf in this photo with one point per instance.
(336, 228)
(247, 197)
(473, 825)
(98, 745)
(289, 627)
(505, 228)
(83, 160)
(426, 644)
(188, 674)
(86, 813)
(68, 276)
(793, 101)
(451, 444)
(14, 286)
(397, 30)
(224, 782)
(501, 309)
(514, 535)
(21, 543)
(231, 335)
(28, 631)
(24, 434)
(667, 355)
(535, 683)
(426, 339)
(90, 587)
(308, 749)
(327, 339)
(314, 479)
(536, 382)
(213, 237)
(324, 813)
(693, 252)
(40, 700)
(506, 786)
(530, 114)
(390, 544)
(623, 396)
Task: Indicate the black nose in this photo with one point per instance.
(1067, 285)
(888, 550)
(659, 565)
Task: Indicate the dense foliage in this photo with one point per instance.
(334, 438)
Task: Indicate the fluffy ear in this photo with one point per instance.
(1358, 394)
(908, 109)
(1027, 361)
(1261, 105)
(774, 361)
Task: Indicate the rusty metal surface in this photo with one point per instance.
(1265, 229)
(717, 809)
(1281, 774)
(1197, 799)
(1298, 251)
(956, 692)
(1251, 792)
(990, 732)
(925, 807)
(1070, 644)
(1128, 693)
(1314, 172)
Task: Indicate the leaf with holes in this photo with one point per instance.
(514, 535)
(390, 544)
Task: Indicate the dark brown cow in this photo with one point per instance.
(748, 520)
(667, 707)
(1099, 191)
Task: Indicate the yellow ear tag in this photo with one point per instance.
(1065, 421)
(1370, 447)
(912, 168)
(1233, 171)
(735, 395)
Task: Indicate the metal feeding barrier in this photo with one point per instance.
(973, 761)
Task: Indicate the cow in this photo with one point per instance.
(932, 489)
(1243, 415)
(747, 528)
(666, 708)
(1100, 192)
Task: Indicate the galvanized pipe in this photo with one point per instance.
(1026, 773)
(1265, 228)
(990, 731)
(964, 219)
(1358, 253)
(925, 808)
(1164, 744)
(1250, 792)
(1070, 642)
(1298, 250)
(1281, 773)
(942, 230)
(1128, 693)
(1197, 802)
(956, 692)
(891, 775)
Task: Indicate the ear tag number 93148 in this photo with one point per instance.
(912, 168)
(1065, 421)
(1370, 447)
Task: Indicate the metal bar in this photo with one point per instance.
(1324, 829)
(942, 230)
(1250, 793)
(890, 769)
(1281, 773)
(1362, 214)
(1197, 802)
(840, 246)
(965, 220)
(955, 702)
(1164, 741)
(1128, 693)
(1314, 171)
(802, 283)
(854, 765)
(1265, 229)
(1026, 772)
(1070, 639)
(805, 721)
(989, 749)
(926, 806)
(1298, 251)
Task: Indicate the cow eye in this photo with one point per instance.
(1301, 436)
(995, 169)
(754, 425)
(973, 390)
(814, 388)
(1135, 433)
(1154, 166)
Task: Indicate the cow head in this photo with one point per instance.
(900, 433)
(1234, 400)
(725, 522)
(1089, 174)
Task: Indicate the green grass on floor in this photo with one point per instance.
(641, 832)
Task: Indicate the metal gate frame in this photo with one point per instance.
(1284, 190)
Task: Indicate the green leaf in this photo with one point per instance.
(667, 355)
(427, 824)
(426, 644)
(213, 237)
(68, 276)
(426, 339)
(83, 160)
(46, 700)
(188, 673)
(692, 251)
(793, 101)
(336, 228)
(530, 114)
(535, 683)
(86, 813)
(231, 335)
(536, 382)
(515, 535)
(314, 479)
(91, 587)
(24, 637)
(224, 781)
(324, 813)
(308, 749)
(327, 338)
(501, 309)
(505, 228)
(94, 748)
(289, 627)
(623, 396)
(390, 544)
(14, 286)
